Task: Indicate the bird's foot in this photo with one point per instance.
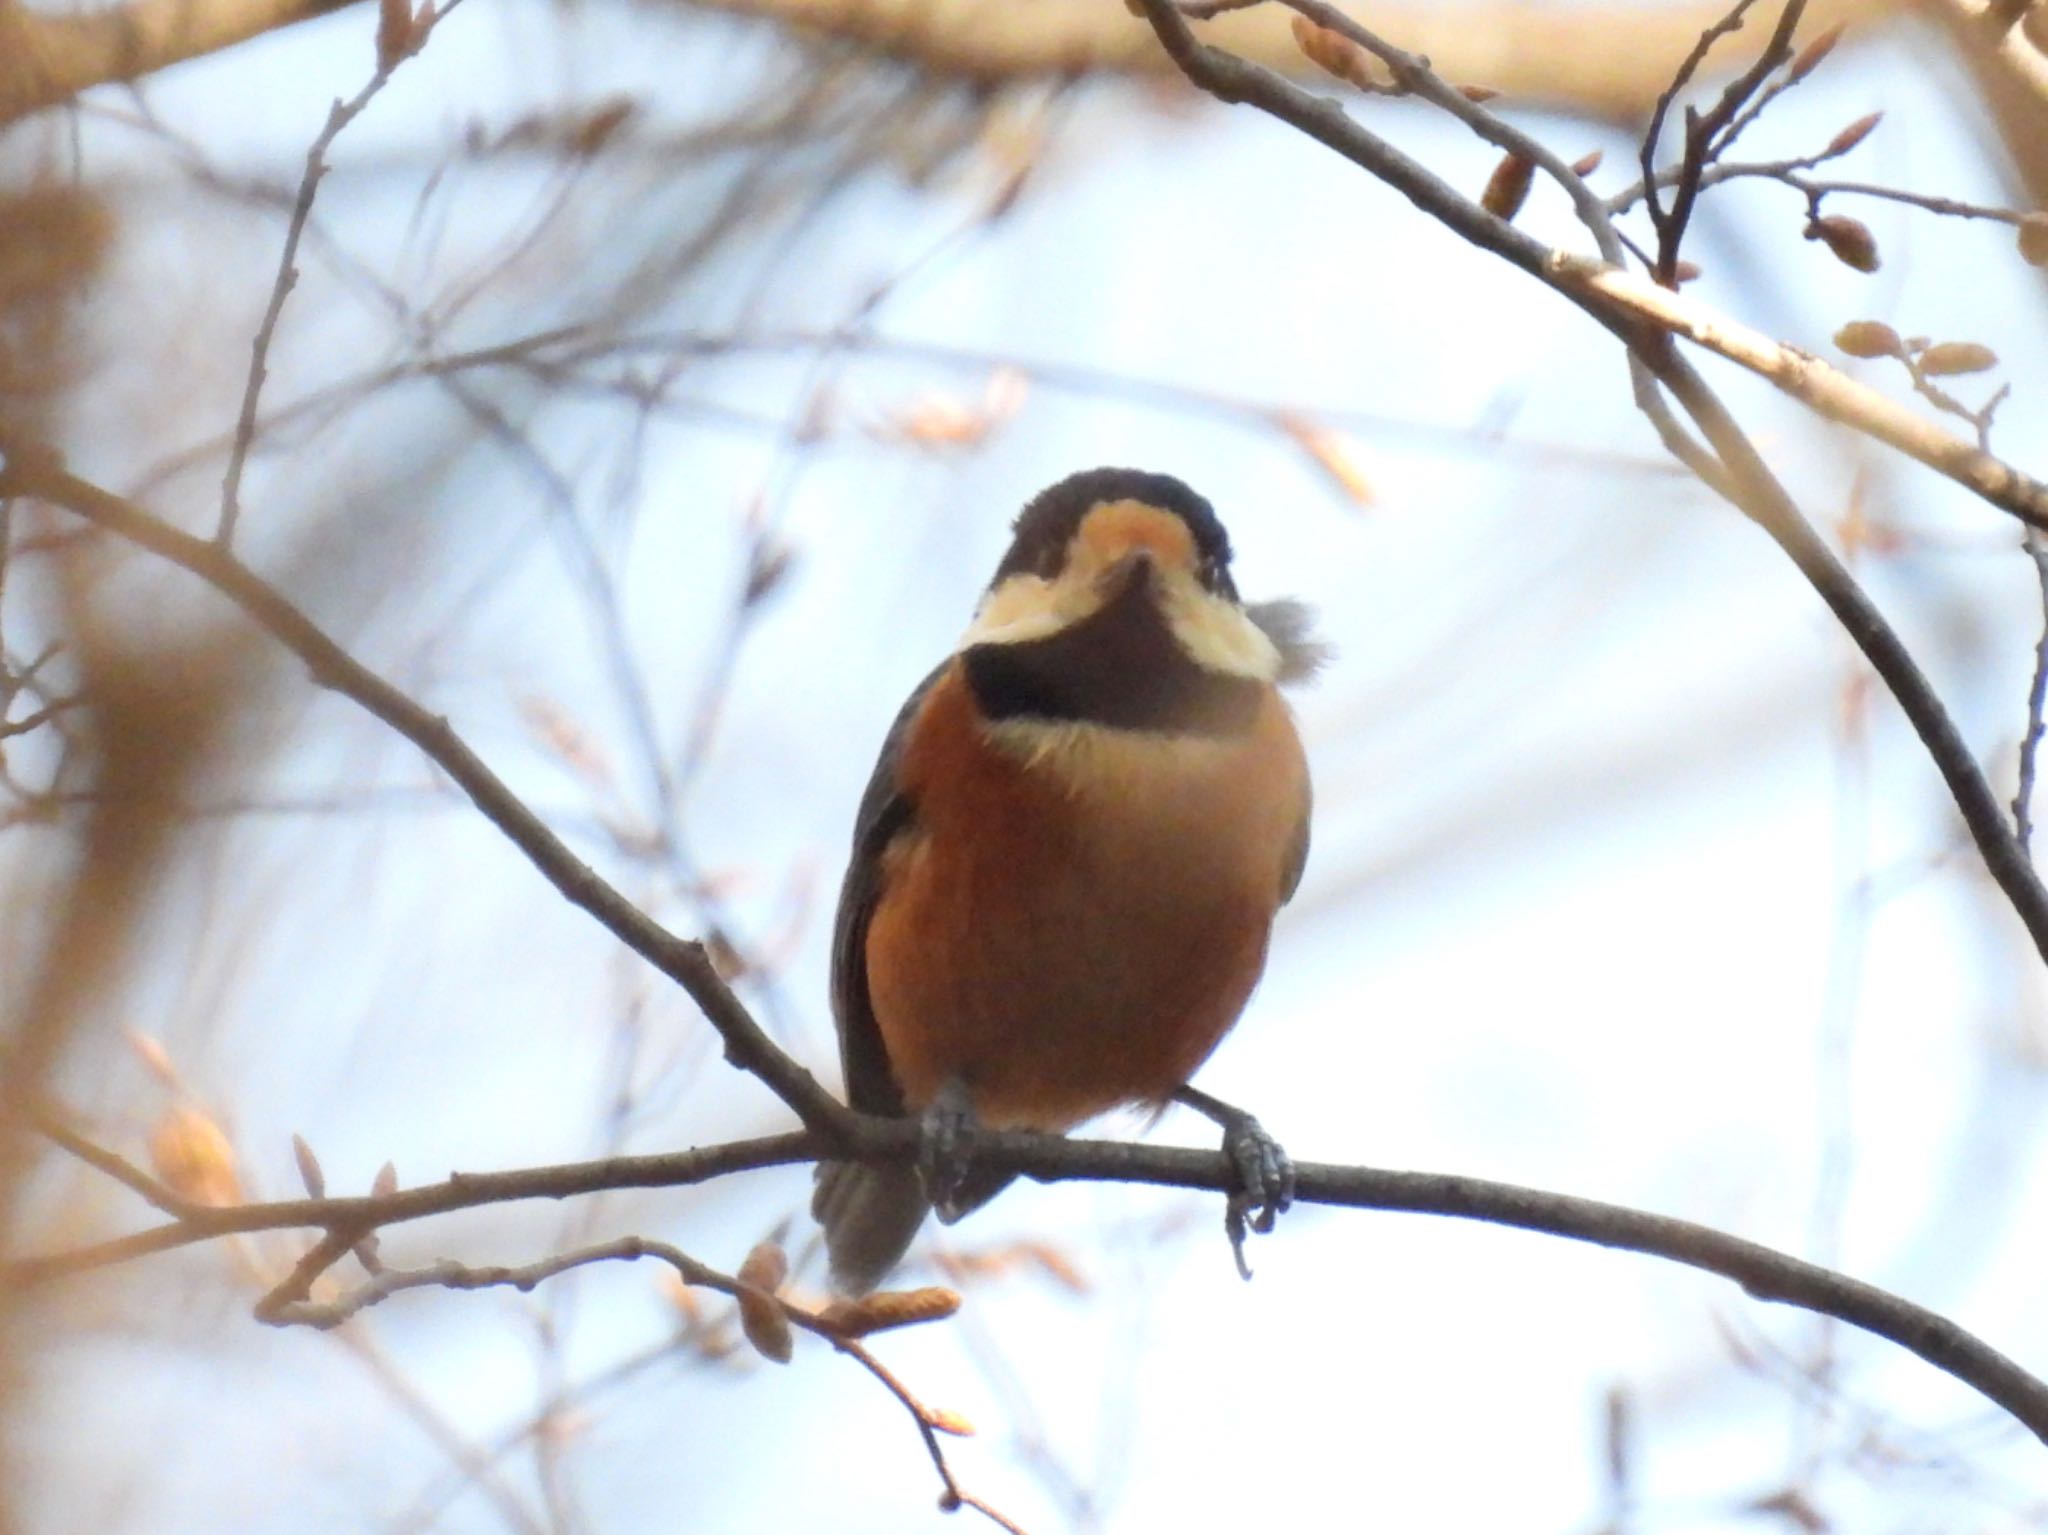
(1261, 1176)
(945, 1151)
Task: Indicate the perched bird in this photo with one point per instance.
(1068, 860)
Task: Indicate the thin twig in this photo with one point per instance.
(339, 116)
(415, 26)
(292, 1290)
(39, 718)
(302, 1311)
(117, 1167)
(1790, 173)
(1415, 77)
(470, 1461)
(1644, 317)
(2037, 704)
(1818, 385)
(460, 1191)
(1706, 136)
(2036, 547)
(33, 471)
(1653, 135)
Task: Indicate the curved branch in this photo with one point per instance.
(1761, 1271)
(458, 1191)
(1604, 60)
(838, 1131)
(1816, 384)
(32, 470)
(45, 58)
(1232, 79)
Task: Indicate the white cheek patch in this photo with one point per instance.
(1027, 607)
(1213, 630)
(1216, 634)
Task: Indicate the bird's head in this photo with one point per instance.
(1115, 606)
(1106, 538)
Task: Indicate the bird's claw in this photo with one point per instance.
(1261, 1183)
(945, 1133)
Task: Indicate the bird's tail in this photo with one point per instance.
(870, 1216)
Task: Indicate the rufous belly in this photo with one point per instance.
(1079, 916)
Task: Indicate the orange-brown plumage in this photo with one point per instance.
(1069, 857)
(1065, 937)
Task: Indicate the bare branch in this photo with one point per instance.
(839, 1132)
(291, 1305)
(1763, 1272)
(1631, 312)
(1701, 132)
(1815, 189)
(34, 472)
(117, 1167)
(1814, 383)
(2037, 704)
(1606, 60)
(339, 116)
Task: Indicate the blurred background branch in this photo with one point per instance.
(1604, 60)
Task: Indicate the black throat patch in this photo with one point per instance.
(1119, 667)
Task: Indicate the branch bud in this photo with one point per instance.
(2034, 239)
(1948, 357)
(1869, 338)
(1850, 239)
(394, 34)
(1809, 58)
(889, 1308)
(1508, 187)
(309, 1168)
(1585, 165)
(191, 1154)
(762, 1318)
(1854, 134)
(1333, 53)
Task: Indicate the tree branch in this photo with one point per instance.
(1824, 389)
(1605, 60)
(291, 1305)
(1761, 1271)
(117, 1167)
(838, 1131)
(1232, 79)
(339, 116)
(34, 471)
(2037, 707)
(458, 1191)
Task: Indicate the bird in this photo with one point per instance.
(1068, 859)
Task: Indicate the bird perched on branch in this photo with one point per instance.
(1068, 860)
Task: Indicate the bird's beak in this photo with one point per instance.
(1127, 575)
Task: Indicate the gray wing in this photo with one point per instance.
(885, 814)
(870, 1215)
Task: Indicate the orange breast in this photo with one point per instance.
(1080, 914)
